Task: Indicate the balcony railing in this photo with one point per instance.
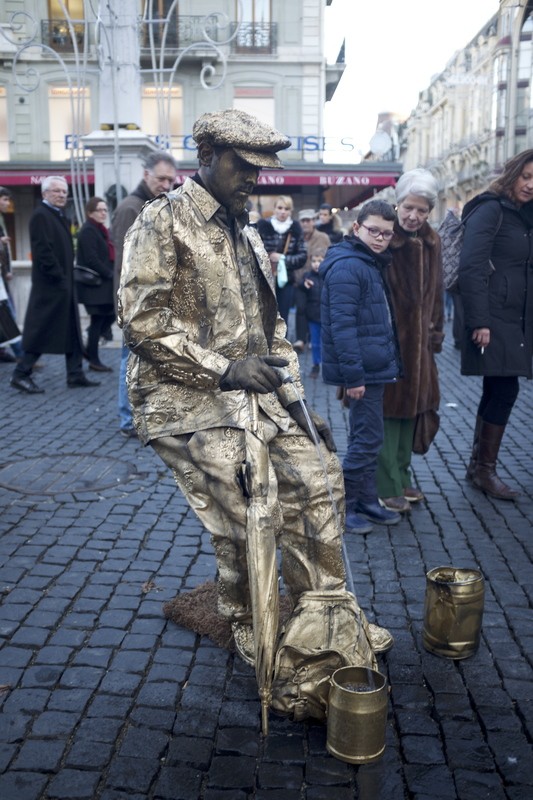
(56, 34)
(255, 37)
(183, 31)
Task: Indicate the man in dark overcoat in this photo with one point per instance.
(52, 323)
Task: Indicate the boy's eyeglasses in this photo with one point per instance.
(376, 233)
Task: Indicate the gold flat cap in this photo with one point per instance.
(252, 140)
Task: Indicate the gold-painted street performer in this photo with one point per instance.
(198, 310)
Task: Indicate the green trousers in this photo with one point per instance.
(394, 459)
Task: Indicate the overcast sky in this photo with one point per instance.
(393, 48)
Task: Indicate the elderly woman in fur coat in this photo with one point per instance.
(415, 282)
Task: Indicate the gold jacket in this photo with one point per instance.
(183, 318)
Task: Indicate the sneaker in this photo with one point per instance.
(299, 346)
(243, 636)
(315, 371)
(413, 495)
(128, 433)
(399, 504)
(373, 512)
(356, 524)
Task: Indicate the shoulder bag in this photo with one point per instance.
(87, 276)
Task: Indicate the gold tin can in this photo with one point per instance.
(453, 611)
(357, 715)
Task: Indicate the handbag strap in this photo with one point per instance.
(287, 243)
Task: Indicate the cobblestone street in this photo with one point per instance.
(103, 698)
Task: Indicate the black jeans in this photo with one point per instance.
(498, 398)
(98, 324)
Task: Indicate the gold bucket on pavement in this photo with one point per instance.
(453, 611)
(357, 714)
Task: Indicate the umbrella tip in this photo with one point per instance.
(264, 717)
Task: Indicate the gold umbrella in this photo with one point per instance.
(261, 555)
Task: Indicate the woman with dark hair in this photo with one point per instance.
(496, 286)
(96, 251)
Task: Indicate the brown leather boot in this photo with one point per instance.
(475, 447)
(485, 477)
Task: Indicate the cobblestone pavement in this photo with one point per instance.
(103, 698)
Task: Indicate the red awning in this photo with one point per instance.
(347, 182)
(325, 178)
(22, 177)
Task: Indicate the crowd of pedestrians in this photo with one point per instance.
(210, 380)
(327, 283)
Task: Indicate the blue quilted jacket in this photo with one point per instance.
(359, 344)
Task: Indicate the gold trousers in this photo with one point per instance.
(207, 466)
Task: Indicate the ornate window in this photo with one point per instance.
(55, 30)
(255, 30)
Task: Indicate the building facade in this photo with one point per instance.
(70, 68)
(478, 111)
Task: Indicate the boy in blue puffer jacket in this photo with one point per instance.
(360, 352)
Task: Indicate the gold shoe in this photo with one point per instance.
(243, 636)
(380, 638)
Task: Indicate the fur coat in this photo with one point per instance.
(415, 281)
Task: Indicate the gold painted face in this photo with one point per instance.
(230, 180)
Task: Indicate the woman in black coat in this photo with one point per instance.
(96, 251)
(496, 287)
(282, 235)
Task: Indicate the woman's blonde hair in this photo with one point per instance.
(286, 200)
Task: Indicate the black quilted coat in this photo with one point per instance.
(496, 286)
(359, 344)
